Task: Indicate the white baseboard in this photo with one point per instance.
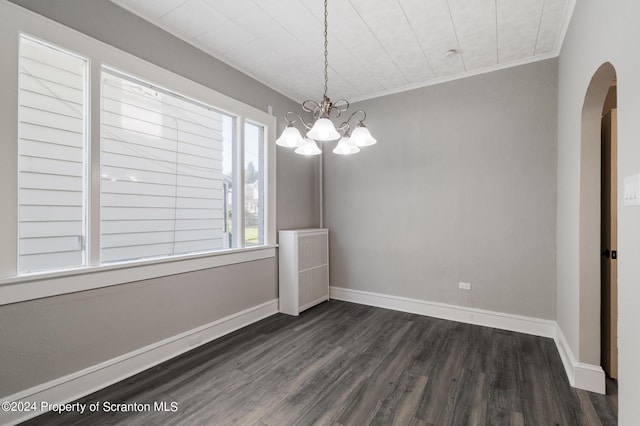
(583, 376)
(521, 324)
(81, 383)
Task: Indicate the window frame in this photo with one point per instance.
(264, 142)
(15, 288)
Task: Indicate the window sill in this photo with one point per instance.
(36, 286)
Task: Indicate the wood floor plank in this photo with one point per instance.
(345, 364)
(331, 404)
(590, 417)
(367, 402)
(447, 369)
(606, 406)
(517, 419)
(370, 354)
(505, 380)
(539, 401)
(468, 405)
(409, 403)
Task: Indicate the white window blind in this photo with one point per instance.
(162, 186)
(51, 163)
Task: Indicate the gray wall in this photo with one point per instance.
(48, 338)
(460, 187)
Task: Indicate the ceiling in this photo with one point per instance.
(375, 47)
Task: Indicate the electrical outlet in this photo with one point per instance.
(464, 286)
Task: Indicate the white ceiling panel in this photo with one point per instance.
(295, 18)
(193, 18)
(227, 37)
(259, 23)
(413, 66)
(375, 47)
(554, 15)
(448, 65)
(475, 26)
(150, 9)
(316, 8)
(435, 33)
(231, 9)
(518, 24)
(392, 31)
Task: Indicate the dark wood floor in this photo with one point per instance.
(342, 363)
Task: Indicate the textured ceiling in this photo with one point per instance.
(375, 47)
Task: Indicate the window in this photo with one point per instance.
(253, 184)
(163, 187)
(117, 168)
(51, 158)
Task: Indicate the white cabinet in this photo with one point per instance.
(303, 269)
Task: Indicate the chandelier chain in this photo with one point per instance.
(326, 48)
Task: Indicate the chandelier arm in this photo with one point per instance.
(338, 112)
(341, 104)
(345, 128)
(289, 121)
(364, 116)
(314, 106)
(339, 107)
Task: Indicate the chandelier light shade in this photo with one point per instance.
(308, 147)
(322, 128)
(346, 147)
(361, 137)
(290, 137)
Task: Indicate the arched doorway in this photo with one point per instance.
(590, 216)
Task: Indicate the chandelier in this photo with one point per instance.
(322, 129)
